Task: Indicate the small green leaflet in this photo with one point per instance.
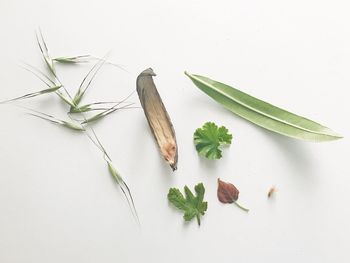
(209, 138)
(193, 206)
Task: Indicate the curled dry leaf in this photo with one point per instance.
(157, 117)
(228, 194)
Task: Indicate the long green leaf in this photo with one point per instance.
(262, 113)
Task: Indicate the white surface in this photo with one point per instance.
(57, 200)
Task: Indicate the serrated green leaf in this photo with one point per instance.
(190, 214)
(193, 206)
(199, 188)
(209, 138)
(262, 113)
(189, 196)
(177, 199)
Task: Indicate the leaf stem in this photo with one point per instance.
(241, 207)
(198, 220)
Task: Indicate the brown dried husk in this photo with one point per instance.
(157, 117)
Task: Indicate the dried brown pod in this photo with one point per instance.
(228, 194)
(157, 117)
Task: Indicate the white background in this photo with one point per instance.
(59, 204)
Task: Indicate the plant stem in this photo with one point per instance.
(241, 207)
(198, 220)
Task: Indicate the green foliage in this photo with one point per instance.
(193, 206)
(56, 87)
(34, 94)
(262, 113)
(209, 138)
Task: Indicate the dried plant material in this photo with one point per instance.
(228, 194)
(262, 113)
(157, 117)
(272, 191)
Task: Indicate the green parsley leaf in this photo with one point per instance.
(193, 206)
(208, 139)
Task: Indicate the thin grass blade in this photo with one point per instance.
(45, 52)
(85, 59)
(34, 94)
(262, 113)
(124, 188)
(97, 106)
(52, 119)
(49, 82)
(105, 113)
(73, 60)
(87, 82)
(39, 74)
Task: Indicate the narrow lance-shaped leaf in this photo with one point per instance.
(262, 113)
(157, 117)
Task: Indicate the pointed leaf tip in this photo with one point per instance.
(262, 113)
